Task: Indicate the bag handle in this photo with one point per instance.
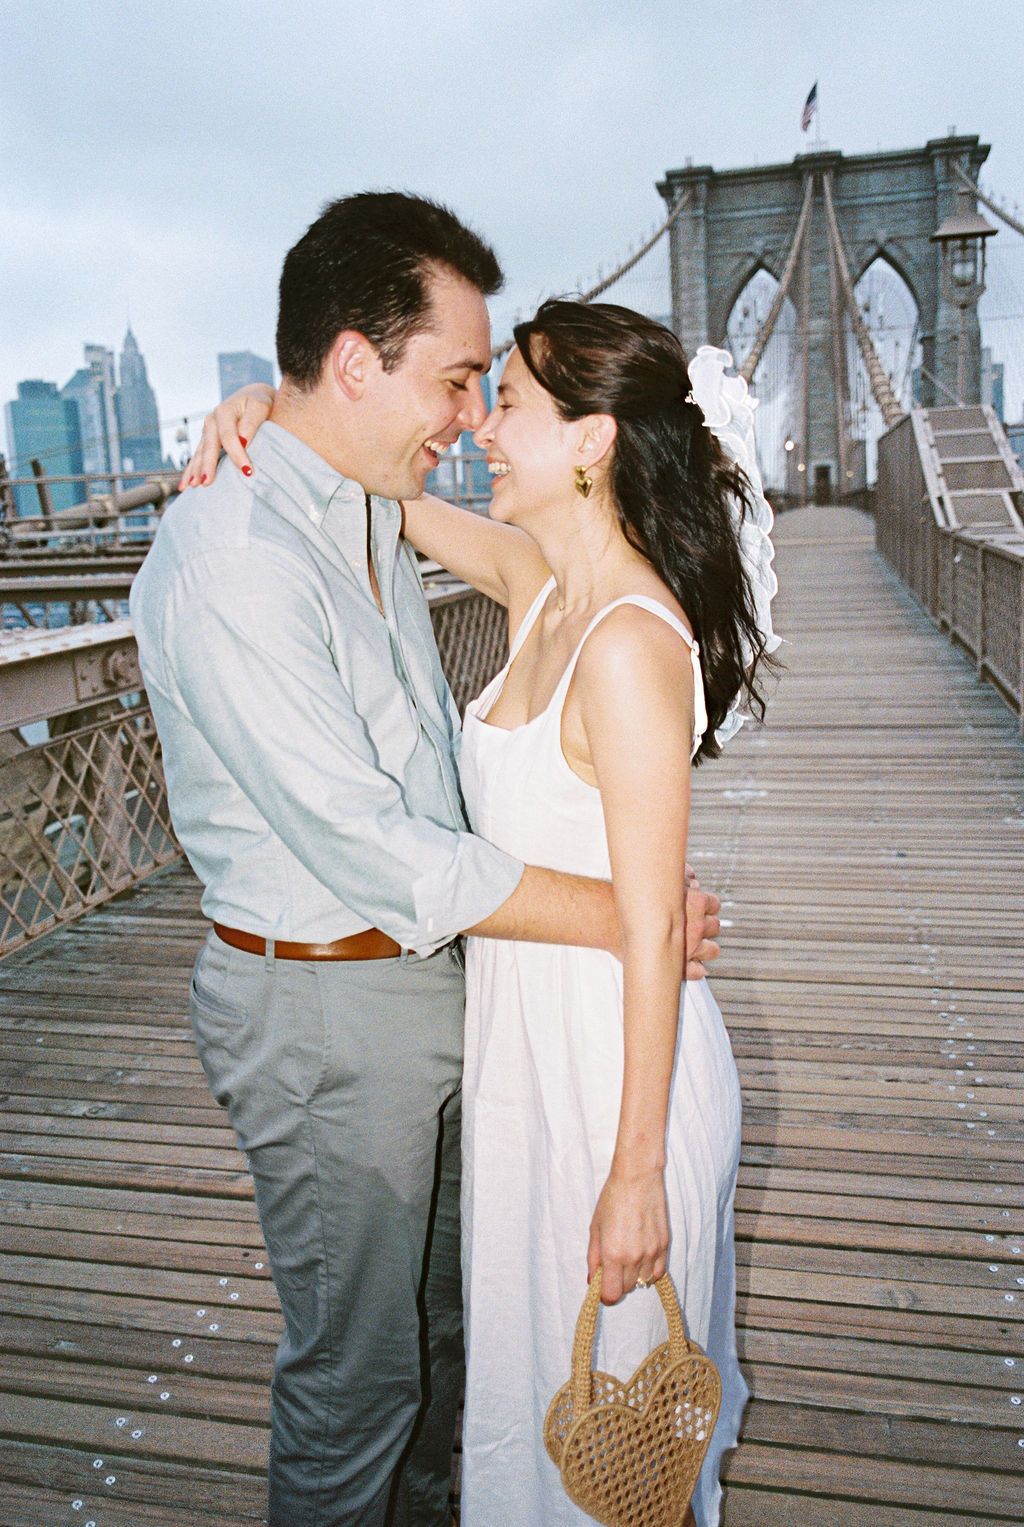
(586, 1330)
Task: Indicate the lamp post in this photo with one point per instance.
(789, 447)
(961, 239)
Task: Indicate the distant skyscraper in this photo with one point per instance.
(992, 382)
(94, 389)
(44, 425)
(1015, 435)
(239, 367)
(137, 416)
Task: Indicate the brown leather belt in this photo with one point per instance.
(368, 945)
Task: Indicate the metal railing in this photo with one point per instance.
(102, 521)
(82, 817)
(49, 599)
(971, 582)
(124, 519)
(83, 814)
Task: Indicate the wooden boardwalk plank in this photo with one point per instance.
(868, 844)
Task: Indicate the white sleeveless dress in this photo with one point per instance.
(541, 1095)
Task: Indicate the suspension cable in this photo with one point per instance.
(627, 265)
(602, 286)
(880, 384)
(765, 332)
(990, 203)
(840, 370)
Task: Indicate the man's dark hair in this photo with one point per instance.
(365, 265)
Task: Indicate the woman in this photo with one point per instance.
(601, 1109)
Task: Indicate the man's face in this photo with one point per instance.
(415, 411)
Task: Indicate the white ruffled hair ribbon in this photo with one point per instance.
(728, 411)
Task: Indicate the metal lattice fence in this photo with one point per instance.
(84, 814)
(82, 817)
(471, 635)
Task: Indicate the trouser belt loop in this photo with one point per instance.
(268, 955)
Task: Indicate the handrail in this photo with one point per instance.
(970, 581)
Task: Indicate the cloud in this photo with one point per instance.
(161, 159)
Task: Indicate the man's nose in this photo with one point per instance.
(474, 409)
(485, 431)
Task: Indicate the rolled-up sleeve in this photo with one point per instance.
(253, 670)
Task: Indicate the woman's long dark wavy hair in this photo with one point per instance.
(673, 485)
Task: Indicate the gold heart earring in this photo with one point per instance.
(583, 482)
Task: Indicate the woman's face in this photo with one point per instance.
(530, 448)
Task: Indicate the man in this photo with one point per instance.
(309, 740)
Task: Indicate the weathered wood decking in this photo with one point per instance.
(870, 847)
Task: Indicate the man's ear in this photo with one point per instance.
(350, 357)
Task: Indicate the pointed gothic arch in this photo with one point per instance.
(773, 380)
(889, 204)
(893, 319)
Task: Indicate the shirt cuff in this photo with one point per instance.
(472, 885)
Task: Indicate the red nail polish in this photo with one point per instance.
(247, 471)
(203, 478)
(242, 441)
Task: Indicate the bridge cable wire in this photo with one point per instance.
(840, 370)
(990, 202)
(881, 387)
(620, 271)
(765, 332)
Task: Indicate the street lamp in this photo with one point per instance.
(789, 446)
(961, 239)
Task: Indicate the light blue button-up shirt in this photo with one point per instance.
(309, 741)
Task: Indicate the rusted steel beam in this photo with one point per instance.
(50, 673)
(43, 489)
(60, 587)
(81, 563)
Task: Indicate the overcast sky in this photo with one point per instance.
(158, 160)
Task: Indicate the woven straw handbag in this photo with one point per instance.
(630, 1451)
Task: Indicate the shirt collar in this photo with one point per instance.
(333, 504)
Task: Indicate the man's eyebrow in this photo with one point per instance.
(479, 366)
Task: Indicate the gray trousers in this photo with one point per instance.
(341, 1079)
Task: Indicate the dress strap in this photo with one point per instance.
(529, 620)
(700, 713)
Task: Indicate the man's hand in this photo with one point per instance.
(702, 927)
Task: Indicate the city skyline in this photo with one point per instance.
(119, 429)
(103, 424)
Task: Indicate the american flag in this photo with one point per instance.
(810, 107)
